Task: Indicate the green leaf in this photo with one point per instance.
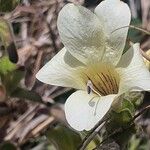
(129, 105)
(6, 66)
(25, 94)
(123, 117)
(12, 79)
(16, 76)
(91, 145)
(126, 115)
(123, 103)
(6, 40)
(5, 33)
(136, 97)
(8, 5)
(7, 146)
(63, 138)
(133, 34)
(135, 143)
(123, 137)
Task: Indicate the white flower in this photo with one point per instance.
(91, 59)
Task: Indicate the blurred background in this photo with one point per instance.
(31, 113)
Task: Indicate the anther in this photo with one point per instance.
(89, 90)
(89, 87)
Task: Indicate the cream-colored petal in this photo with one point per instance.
(134, 75)
(84, 110)
(81, 32)
(116, 14)
(61, 70)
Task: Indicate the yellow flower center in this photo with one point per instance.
(104, 78)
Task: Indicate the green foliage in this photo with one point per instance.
(63, 138)
(5, 33)
(10, 78)
(139, 143)
(125, 106)
(135, 143)
(135, 97)
(123, 117)
(123, 111)
(7, 146)
(8, 5)
(124, 103)
(122, 138)
(25, 94)
(91, 145)
(6, 66)
(135, 35)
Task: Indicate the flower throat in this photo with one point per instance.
(103, 78)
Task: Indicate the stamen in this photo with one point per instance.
(89, 90)
(89, 85)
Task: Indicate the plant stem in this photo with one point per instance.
(123, 129)
(90, 136)
(133, 27)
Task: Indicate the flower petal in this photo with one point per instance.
(116, 14)
(61, 71)
(135, 76)
(81, 32)
(84, 110)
